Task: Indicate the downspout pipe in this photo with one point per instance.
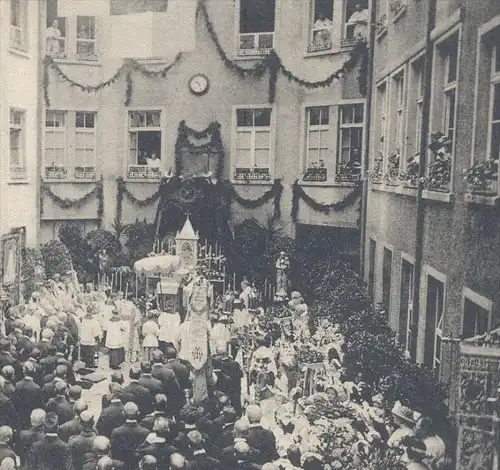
(366, 137)
(424, 139)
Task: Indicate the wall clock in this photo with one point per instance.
(199, 84)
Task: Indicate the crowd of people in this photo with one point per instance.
(256, 416)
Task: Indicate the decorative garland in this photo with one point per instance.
(274, 193)
(274, 64)
(299, 193)
(67, 203)
(129, 89)
(126, 69)
(122, 191)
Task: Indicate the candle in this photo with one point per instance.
(234, 281)
(136, 286)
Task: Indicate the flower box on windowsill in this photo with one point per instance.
(252, 174)
(322, 46)
(143, 172)
(87, 56)
(17, 173)
(349, 42)
(482, 178)
(56, 172)
(60, 55)
(254, 52)
(348, 173)
(85, 173)
(315, 174)
(255, 44)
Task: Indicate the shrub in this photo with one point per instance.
(70, 234)
(33, 270)
(140, 239)
(56, 258)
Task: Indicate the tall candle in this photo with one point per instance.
(136, 286)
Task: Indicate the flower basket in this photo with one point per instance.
(310, 355)
(439, 176)
(392, 175)
(410, 175)
(56, 172)
(315, 173)
(350, 172)
(377, 171)
(252, 174)
(482, 177)
(85, 172)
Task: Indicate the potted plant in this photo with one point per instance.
(316, 171)
(440, 168)
(376, 173)
(481, 177)
(410, 175)
(392, 174)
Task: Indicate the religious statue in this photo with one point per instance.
(282, 268)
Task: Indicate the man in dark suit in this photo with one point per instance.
(49, 389)
(179, 367)
(111, 417)
(127, 438)
(157, 444)
(225, 438)
(7, 359)
(200, 459)
(74, 426)
(101, 447)
(9, 374)
(260, 438)
(231, 375)
(45, 342)
(8, 414)
(60, 405)
(136, 393)
(116, 377)
(154, 386)
(28, 437)
(48, 363)
(243, 457)
(34, 358)
(240, 434)
(6, 435)
(27, 396)
(61, 355)
(171, 387)
(81, 444)
(25, 345)
(161, 411)
(50, 453)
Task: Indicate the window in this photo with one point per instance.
(434, 324)
(85, 38)
(476, 314)
(397, 134)
(417, 89)
(321, 21)
(145, 140)
(494, 127)
(17, 162)
(350, 141)
(356, 22)
(18, 23)
(253, 143)
(386, 280)
(318, 141)
(55, 34)
(70, 145)
(407, 323)
(372, 253)
(449, 54)
(256, 20)
(380, 131)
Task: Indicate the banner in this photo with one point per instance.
(83, 7)
(154, 34)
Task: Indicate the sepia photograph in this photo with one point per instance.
(249, 235)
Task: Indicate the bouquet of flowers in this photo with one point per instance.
(310, 354)
(145, 303)
(279, 312)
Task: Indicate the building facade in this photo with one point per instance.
(305, 134)
(432, 238)
(19, 117)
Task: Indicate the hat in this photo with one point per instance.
(405, 413)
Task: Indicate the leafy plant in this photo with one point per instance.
(56, 258)
(33, 270)
(80, 250)
(140, 239)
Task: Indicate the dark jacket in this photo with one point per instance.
(229, 459)
(171, 386)
(62, 407)
(38, 373)
(48, 364)
(50, 454)
(24, 347)
(264, 440)
(154, 386)
(140, 395)
(7, 359)
(162, 452)
(181, 373)
(124, 442)
(201, 461)
(25, 441)
(81, 445)
(90, 462)
(149, 420)
(6, 451)
(69, 429)
(9, 388)
(8, 414)
(111, 418)
(27, 397)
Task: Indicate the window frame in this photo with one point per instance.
(397, 107)
(321, 128)
(148, 175)
(390, 248)
(22, 28)
(405, 258)
(62, 130)
(442, 88)
(252, 53)
(479, 300)
(494, 82)
(272, 141)
(352, 125)
(86, 57)
(414, 107)
(381, 130)
(325, 47)
(86, 132)
(19, 171)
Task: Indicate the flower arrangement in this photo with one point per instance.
(278, 311)
(310, 354)
(410, 175)
(440, 168)
(393, 166)
(145, 303)
(377, 171)
(481, 175)
(316, 171)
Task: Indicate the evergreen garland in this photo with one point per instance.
(299, 193)
(67, 203)
(123, 191)
(129, 89)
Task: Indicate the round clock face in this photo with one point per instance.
(198, 84)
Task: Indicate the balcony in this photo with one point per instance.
(17, 173)
(56, 48)
(256, 44)
(251, 174)
(56, 172)
(348, 173)
(143, 172)
(353, 33)
(315, 173)
(321, 40)
(85, 173)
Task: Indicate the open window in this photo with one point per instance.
(257, 23)
(17, 162)
(434, 322)
(85, 145)
(144, 144)
(18, 24)
(55, 32)
(321, 25)
(386, 280)
(350, 142)
(55, 145)
(86, 38)
(476, 314)
(318, 143)
(355, 22)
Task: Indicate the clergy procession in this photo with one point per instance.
(95, 379)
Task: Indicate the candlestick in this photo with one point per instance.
(234, 281)
(136, 286)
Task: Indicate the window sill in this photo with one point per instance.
(19, 52)
(18, 181)
(243, 58)
(269, 182)
(400, 13)
(329, 184)
(394, 189)
(437, 196)
(91, 63)
(326, 52)
(142, 180)
(70, 180)
(483, 199)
